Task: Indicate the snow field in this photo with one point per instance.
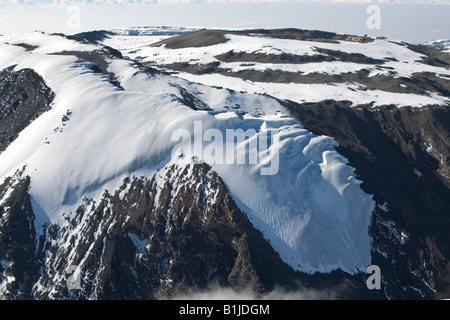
(312, 210)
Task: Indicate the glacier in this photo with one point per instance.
(312, 211)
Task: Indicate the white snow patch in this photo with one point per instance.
(139, 244)
(383, 206)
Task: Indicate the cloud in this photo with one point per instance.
(215, 292)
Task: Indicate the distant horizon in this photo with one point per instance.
(171, 2)
(417, 23)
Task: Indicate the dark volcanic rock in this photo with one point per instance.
(431, 56)
(27, 46)
(255, 57)
(190, 100)
(306, 35)
(199, 38)
(94, 37)
(402, 156)
(348, 57)
(98, 59)
(23, 97)
(18, 264)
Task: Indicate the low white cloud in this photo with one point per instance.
(215, 292)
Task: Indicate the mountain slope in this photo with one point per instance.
(126, 179)
(152, 238)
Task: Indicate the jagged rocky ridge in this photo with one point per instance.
(151, 239)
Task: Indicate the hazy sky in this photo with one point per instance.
(408, 21)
